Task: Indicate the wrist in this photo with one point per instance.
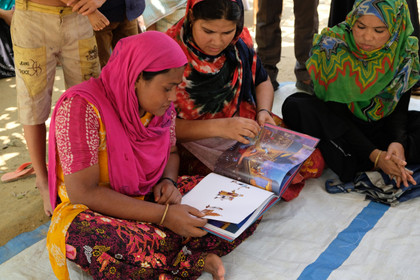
(376, 162)
(265, 110)
(169, 179)
(165, 212)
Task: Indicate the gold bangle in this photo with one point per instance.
(164, 215)
(375, 165)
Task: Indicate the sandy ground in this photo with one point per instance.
(21, 207)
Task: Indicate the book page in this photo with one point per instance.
(225, 199)
(270, 161)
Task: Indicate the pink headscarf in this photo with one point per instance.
(137, 155)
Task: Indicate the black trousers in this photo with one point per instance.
(309, 115)
(7, 65)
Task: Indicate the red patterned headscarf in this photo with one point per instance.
(217, 86)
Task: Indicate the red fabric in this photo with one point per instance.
(311, 168)
(187, 107)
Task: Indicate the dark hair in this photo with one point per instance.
(219, 9)
(147, 75)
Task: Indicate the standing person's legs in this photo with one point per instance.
(79, 54)
(104, 41)
(108, 37)
(7, 68)
(339, 10)
(306, 25)
(35, 49)
(124, 29)
(268, 36)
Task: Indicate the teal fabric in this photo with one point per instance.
(7, 4)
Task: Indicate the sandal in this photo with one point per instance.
(23, 171)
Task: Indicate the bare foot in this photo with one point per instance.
(213, 264)
(98, 20)
(42, 186)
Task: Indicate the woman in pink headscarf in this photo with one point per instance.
(113, 168)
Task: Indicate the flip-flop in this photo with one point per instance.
(22, 171)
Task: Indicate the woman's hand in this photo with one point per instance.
(166, 193)
(396, 154)
(185, 220)
(239, 129)
(264, 117)
(393, 163)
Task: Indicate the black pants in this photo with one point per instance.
(268, 34)
(308, 114)
(7, 67)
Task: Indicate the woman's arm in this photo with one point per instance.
(82, 188)
(236, 128)
(265, 97)
(394, 157)
(166, 191)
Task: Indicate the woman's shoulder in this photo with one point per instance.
(77, 106)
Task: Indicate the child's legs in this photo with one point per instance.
(104, 41)
(78, 52)
(124, 29)
(108, 37)
(35, 62)
(35, 46)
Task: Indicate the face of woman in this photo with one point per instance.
(155, 95)
(370, 33)
(213, 36)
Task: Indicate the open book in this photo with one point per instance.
(249, 179)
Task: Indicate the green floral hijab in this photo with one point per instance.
(370, 83)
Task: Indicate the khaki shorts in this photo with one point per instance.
(43, 35)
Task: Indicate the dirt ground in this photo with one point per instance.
(21, 207)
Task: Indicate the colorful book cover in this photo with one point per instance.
(249, 179)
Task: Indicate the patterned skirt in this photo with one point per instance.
(110, 248)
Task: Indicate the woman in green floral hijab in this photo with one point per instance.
(363, 70)
(375, 79)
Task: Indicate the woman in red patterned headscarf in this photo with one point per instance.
(225, 95)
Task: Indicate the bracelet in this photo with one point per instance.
(271, 114)
(375, 165)
(164, 215)
(167, 178)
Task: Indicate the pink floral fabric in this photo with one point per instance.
(78, 142)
